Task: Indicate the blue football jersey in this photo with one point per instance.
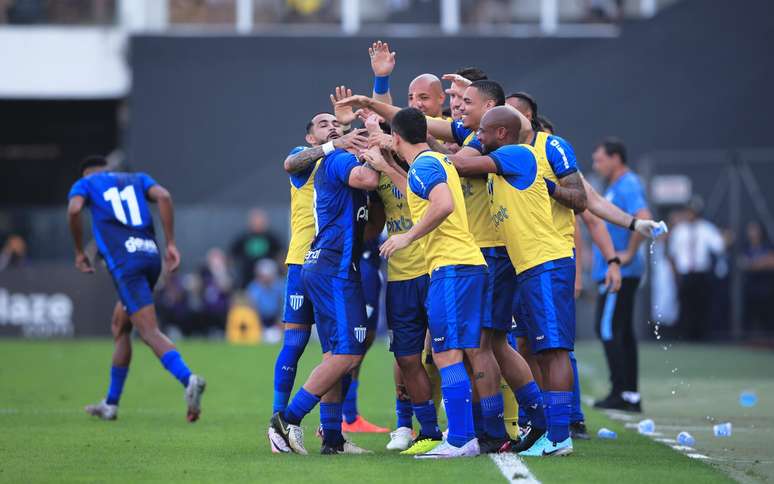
(341, 213)
(122, 223)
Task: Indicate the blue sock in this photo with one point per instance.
(576, 415)
(404, 412)
(117, 379)
(302, 403)
(174, 364)
(350, 402)
(558, 405)
(330, 418)
(428, 419)
(492, 409)
(531, 400)
(455, 387)
(478, 420)
(286, 366)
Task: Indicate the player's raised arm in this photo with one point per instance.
(605, 210)
(441, 206)
(354, 140)
(382, 64)
(472, 165)
(378, 159)
(438, 128)
(74, 209)
(163, 199)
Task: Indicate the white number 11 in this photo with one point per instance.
(113, 196)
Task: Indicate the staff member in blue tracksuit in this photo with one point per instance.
(615, 312)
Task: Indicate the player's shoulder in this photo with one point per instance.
(514, 152)
(631, 181)
(297, 149)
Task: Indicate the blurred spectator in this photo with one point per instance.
(215, 290)
(14, 252)
(267, 292)
(173, 304)
(695, 245)
(257, 243)
(758, 264)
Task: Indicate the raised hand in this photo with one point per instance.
(83, 264)
(344, 114)
(354, 141)
(458, 84)
(374, 157)
(380, 140)
(372, 123)
(382, 60)
(356, 101)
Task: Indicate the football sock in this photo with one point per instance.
(174, 364)
(428, 419)
(285, 367)
(117, 378)
(531, 401)
(576, 415)
(403, 412)
(350, 402)
(492, 412)
(478, 420)
(558, 405)
(455, 386)
(330, 418)
(302, 403)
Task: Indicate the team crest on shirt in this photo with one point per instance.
(296, 301)
(360, 333)
(396, 193)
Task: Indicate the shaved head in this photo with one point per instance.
(500, 126)
(426, 94)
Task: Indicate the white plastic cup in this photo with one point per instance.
(605, 433)
(646, 427)
(686, 439)
(722, 430)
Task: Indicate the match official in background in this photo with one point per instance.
(615, 311)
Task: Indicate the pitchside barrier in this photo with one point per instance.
(53, 300)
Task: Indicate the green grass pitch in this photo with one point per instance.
(45, 436)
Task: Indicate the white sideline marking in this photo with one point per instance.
(666, 441)
(513, 468)
(697, 456)
(620, 416)
(683, 448)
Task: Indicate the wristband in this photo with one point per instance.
(328, 148)
(632, 224)
(614, 260)
(381, 84)
(550, 185)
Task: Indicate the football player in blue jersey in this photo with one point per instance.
(331, 279)
(122, 226)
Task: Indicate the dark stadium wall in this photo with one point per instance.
(213, 117)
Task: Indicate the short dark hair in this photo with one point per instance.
(472, 74)
(490, 90)
(411, 125)
(546, 124)
(533, 106)
(91, 161)
(614, 146)
(310, 123)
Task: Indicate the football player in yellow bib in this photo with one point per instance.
(457, 274)
(543, 260)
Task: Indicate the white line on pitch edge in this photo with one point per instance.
(513, 468)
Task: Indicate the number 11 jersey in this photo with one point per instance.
(122, 224)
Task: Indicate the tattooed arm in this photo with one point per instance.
(570, 192)
(357, 139)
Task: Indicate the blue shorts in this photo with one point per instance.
(455, 307)
(371, 279)
(519, 326)
(135, 280)
(339, 311)
(501, 287)
(547, 305)
(298, 307)
(406, 315)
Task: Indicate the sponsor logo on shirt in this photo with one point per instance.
(312, 256)
(499, 216)
(136, 244)
(362, 214)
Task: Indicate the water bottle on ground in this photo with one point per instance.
(608, 434)
(748, 399)
(722, 430)
(646, 426)
(686, 439)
